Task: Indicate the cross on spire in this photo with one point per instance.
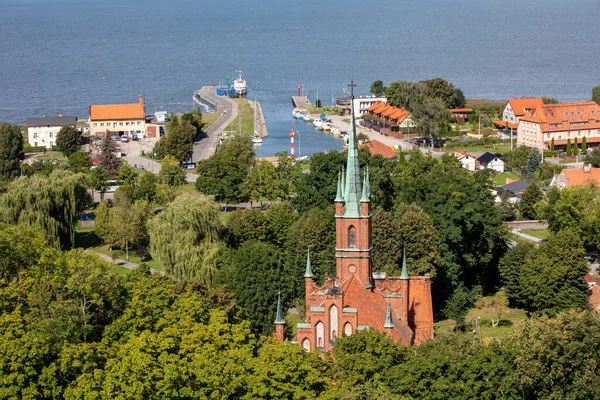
(352, 85)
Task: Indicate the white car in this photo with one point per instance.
(124, 139)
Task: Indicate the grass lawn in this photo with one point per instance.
(499, 148)
(122, 270)
(209, 119)
(132, 256)
(52, 155)
(500, 179)
(567, 161)
(518, 239)
(538, 233)
(247, 117)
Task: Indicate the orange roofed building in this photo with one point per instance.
(515, 109)
(119, 119)
(376, 147)
(356, 298)
(571, 177)
(560, 122)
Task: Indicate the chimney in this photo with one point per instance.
(140, 99)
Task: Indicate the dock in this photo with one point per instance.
(300, 102)
(259, 118)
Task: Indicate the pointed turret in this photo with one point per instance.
(404, 274)
(308, 273)
(279, 319)
(388, 317)
(339, 196)
(366, 189)
(352, 191)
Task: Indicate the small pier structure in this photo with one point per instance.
(300, 102)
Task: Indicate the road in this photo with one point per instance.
(206, 145)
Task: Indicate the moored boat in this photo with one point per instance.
(298, 115)
(256, 139)
(239, 85)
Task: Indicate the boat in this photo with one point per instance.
(298, 115)
(256, 139)
(307, 118)
(326, 127)
(335, 131)
(318, 124)
(239, 85)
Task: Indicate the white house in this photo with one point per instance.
(515, 109)
(42, 131)
(161, 116)
(468, 162)
(362, 103)
(491, 161)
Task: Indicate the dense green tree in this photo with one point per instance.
(533, 161)
(288, 174)
(68, 140)
(549, 100)
(179, 140)
(244, 225)
(402, 94)
(569, 149)
(51, 204)
(575, 147)
(170, 172)
(223, 174)
(594, 158)
(568, 208)
(80, 162)
(441, 89)
(547, 279)
(124, 225)
(127, 175)
(145, 187)
(531, 196)
(377, 89)
(108, 157)
(20, 247)
(186, 237)
(583, 145)
(262, 183)
(552, 145)
(97, 180)
(255, 274)
(11, 151)
(431, 117)
(596, 94)
(281, 217)
(518, 157)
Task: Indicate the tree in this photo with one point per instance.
(108, 158)
(68, 140)
(127, 175)
(170, 172)
(179, 140)
(377, 89)
(262, 183)
(124, 224)
(80, 162)
(97, 180)
(594, 157)
(288, 175)
(575, 147)
(20, 247)
(596, 94)
(531, 196)
(518, 157)
(102, 220)
(549, 100)
(186, 238)
(145, 187)
(569, 150)
(51, 204)
(439, 88)
(583, 145)
(431, 117)
(11, 151)
(402, 94)
(533, 161)
(552, 145)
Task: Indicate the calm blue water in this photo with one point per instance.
(61, 55)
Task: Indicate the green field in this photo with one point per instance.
(500, 179)
(247, 118)
(538, 233)
(500, 148)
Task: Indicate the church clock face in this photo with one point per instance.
(352, 268)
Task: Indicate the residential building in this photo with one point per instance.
(42, 131)
(361, 104)
(161, 117)
(468, 161)
(119, 119)
(357, 298)
(571, 177)
(561, 122)
(491, 161)
(461, 115)
(515, 109)
(594, 296)
(388, 120)
(513, 191)
(376, 147)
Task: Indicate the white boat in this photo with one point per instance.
(307, 118)
(256, 139)
(335, 131)
(326, 127)
(239, 85)
(298, 115)
(318, 124)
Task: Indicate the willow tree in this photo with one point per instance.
(186, 237)
(50, 203)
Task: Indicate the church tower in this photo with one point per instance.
(353, 217)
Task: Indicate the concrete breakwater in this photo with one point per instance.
(259, 119)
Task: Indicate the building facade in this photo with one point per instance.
(42, 131)
(119, 119)
(563, 123)
(356, 298)
(360, 104)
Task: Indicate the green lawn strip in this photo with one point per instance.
(500, 148)
(122, 270)
(566, 161)
(209, 119)
(538, 233)
(518, 239)
(247, 117)
(133, 258)
(52, 155)
(500, 179)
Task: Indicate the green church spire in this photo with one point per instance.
(279, 320)
(366, 189)
(308, 273)
(388, 317)
(352, 192)
(404, 274)
(339, 194)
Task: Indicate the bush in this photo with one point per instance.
(550, 154)
(143, 253)
(34, 149)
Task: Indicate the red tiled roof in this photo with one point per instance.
(460, 110)
(500, 122)
(578, 177)
(589, 278)
(374, 106)
(108, 112)
(521, 106)
(376, 147)
(565, 116)
(594, 298)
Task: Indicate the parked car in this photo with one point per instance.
(115, 137)
(189, 165)
(134, 136)
(124, 139)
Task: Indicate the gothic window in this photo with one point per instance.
(306, 344)
(348, 329)
(320, 334)
(352, 237)
(333, 322)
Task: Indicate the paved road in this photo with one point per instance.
(206, 144)
(122, 263)
(526, 236)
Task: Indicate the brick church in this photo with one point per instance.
(356, 298)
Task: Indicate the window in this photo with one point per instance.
(348, 329)
(95, 124)
(127, 123)
(352, 237)
(120, 124)
(51, 143)
(139, 122)
(333, 322)
(35, 135)
(306, 344)
(114, 124)
(101, 123)
(51, 134)
(35, 144)
(320, 334)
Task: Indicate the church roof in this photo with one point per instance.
(353, 189)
